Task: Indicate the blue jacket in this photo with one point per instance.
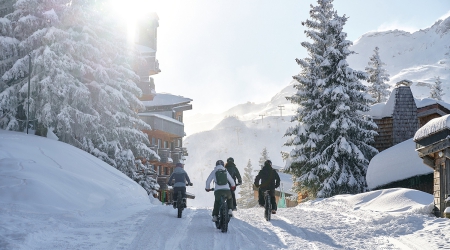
(180, 176)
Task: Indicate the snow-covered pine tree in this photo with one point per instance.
(332, 134)
(436, 91)
(264, 157)
(378, 77)
(247, 197)
(82, 86)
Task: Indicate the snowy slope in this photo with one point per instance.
(417, 56)
(55, 196)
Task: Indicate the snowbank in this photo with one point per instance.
(395, 163)
(43, 175)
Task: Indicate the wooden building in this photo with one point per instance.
(433, 146)
(163, 112)
(402, 115)
(398, 120)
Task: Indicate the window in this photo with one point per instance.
(153, 141)
(166, 144)
(159, 143)
(180, 118)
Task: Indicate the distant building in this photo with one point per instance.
(163, 111)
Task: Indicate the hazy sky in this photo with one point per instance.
(221, 53)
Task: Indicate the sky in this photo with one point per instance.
(55, 196)
(227, 52)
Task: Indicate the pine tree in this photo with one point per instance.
(332, 134)
(82, 85)
(247, 199)
(378, 77)
(436, 89)
(264, 157)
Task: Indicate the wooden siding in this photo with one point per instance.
(384, 138)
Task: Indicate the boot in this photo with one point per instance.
(174, 204)
(184, 203)
(214, 218)
(230, 212)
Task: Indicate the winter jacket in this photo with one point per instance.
(269, 178)
(212, 176)
(234, 172)
(180, 176)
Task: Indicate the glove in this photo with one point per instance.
(190, 184)
(233, 188)
(240, 183)
(207, 190)
(256, 185)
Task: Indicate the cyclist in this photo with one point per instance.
(234, 172)
(269, 181)
(221, 180)
(180, 176)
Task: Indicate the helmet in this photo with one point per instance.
(219, 162)
(268, 162)
(230, 159)
(179, 164)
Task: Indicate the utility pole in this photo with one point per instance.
(262, 118)
(29, 80)
(281, 107)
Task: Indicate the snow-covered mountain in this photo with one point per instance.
(418, 57)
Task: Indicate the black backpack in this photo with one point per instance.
(221, 177)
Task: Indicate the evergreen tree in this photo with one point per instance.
(247, 199)
(378, 77)
(82, 85)
(436, 89)
(264, 157)
(332, 134)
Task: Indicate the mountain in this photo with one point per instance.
(419, 57)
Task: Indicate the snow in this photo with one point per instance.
(395, 163)
(162, 99)
(432, 127)
(161, 117)
(55, 196)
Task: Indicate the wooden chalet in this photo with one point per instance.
(433, 146)
(398, 120)
(163, 112)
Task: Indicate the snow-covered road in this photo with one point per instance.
(328, 224)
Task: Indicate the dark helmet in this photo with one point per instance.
(179, 164)
(230, 159)
(219, 162)
(268, 163)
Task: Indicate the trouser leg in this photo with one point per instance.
(273, 200)
(234, 199)
(261, 197)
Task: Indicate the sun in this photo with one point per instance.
(129, 11)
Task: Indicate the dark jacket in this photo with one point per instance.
(269, 178)
(180, 176)
(233, 171)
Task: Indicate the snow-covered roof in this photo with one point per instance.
(163, 99)
(432, 127)
(395, 163)
(144, 49)
(170, 119)
(386, 109)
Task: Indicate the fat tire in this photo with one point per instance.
(225, 217)
(179, 204)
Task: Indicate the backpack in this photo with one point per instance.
(221, 177)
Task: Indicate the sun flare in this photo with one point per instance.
(131, 10)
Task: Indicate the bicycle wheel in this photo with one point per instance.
(179, 204)
(225, 217)
(267, 207)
